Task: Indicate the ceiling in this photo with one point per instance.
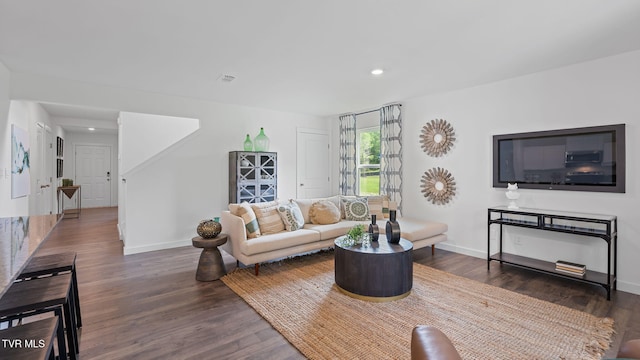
(311, 57)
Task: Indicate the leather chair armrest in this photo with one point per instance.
(630, 350)
(429, 343)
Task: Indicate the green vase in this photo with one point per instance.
(248, 145)
(261, 141)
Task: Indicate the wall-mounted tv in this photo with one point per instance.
(581, 159)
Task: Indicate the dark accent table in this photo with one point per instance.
(69, 191)
(210, 267)
(380, 272)
(600, 226)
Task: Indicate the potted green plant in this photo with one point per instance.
(355, 233)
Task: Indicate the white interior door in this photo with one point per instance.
(313, 164)
(43, 170)
(49, 172)
(93, 174)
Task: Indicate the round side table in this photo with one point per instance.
(210, 267)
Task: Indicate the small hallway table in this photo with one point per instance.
(69, 191)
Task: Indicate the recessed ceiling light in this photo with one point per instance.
(91, 129)
(377, 72)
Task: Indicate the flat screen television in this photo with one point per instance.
(581, 159)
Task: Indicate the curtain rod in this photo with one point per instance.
(378, 109)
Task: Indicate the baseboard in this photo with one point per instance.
(129, 250)
(629, 287)
(461, 250)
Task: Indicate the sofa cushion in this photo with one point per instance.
(334, 230)
(356, 209)
(305, 205)
(324, 212)
(268, 217)
(291, 215)
(281, 240)
(413, 229)
(375, 205)
(245, 212)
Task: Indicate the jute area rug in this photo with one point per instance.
(300, 300)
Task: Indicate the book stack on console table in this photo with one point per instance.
(570, 268)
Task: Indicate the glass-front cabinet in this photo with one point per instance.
(253, 176)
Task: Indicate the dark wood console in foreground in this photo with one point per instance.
(604, 227)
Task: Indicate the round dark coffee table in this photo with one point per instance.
(380, 272)
(210, 267)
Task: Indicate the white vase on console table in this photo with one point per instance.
(512, 194)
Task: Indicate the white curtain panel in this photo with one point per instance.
(348, 166)
(391, 153)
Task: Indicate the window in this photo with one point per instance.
(368, 143)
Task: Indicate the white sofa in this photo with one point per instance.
(312, 237)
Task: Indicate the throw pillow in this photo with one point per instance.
(268, 217)
(389, 205)
(341, 206)
(375, 206)
(324, 212)
(305, 205)
(356, 209)
(245, 212)
(291, 216)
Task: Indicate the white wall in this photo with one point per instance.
(26, 115)
(605, 91)
(167, 196)
(159, 133)
(71, 139)
(8, 207)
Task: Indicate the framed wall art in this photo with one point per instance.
(60, 146)
(59, 168)
(20, 163)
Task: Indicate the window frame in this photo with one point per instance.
(359, 166)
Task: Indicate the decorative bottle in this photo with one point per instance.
(248, 145)
(373, 229)
(393, 228)
(261, 141)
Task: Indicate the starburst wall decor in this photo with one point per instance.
(438, 186)
(437, 137)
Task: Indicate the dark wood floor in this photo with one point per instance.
(149, 306)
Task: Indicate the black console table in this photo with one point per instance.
(604, 227)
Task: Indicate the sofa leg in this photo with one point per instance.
(257, 268)
(433, 250)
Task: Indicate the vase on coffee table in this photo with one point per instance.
(393, 228)
(374, 231)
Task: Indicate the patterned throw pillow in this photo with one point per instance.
(245, 212)
(268, 217)
(324, 212)
(291, 216)
(356, 209)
